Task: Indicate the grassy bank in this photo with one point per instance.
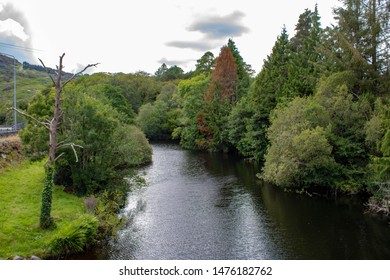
(20, 201)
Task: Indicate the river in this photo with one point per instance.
(211, 206)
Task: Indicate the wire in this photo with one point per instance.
(19, 47)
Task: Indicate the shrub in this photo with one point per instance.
(75, 237)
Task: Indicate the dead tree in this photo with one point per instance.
(52, 126)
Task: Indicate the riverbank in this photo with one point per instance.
(20, 201)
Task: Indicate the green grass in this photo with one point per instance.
(20, 200)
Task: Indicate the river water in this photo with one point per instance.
(210, 206)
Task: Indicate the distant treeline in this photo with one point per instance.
(28, 66)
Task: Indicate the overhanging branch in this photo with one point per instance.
(46, 125)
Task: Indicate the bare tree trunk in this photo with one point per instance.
(47, 193)
(56, 115)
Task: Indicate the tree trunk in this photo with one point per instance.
(46, 220)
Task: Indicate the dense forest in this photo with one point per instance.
(316, 116)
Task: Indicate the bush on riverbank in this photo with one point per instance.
(75, 237)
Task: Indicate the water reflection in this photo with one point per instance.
(207, 206)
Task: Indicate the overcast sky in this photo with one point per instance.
(128, 36)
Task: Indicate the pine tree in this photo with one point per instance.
(205, 64)
(244, 70)
(249, 120)
(361, 43)
(303, 73)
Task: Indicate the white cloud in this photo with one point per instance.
(13, 28)
(127, 36)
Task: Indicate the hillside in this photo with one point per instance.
(27, 83)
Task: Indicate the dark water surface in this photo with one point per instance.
(210, 206)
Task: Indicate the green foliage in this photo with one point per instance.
(378, 138)
(130, 146)
(46, 220)
(75, 237)
(319, 141)
(244, 71)
(106, 212)
(168, 74)
(299, 155)
(192, 93)
(205, 64)
(97, 118)
(359, 43)
(108, 144)
(118, 101)
(250, 117)
(348, 118)
(158, 119)
(137, 89)
(35, 138)
(151, 118)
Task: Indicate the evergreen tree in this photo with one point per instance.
(161, 71)
(250, 118)
(212, 121)
(244, 71)
(361, 43)
(205, 64)
(303, 73)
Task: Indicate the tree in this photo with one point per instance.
(166, 74)
(303, 73)
(250, 117)
(161, 70)
(300, 155)
(52, 126)
(223, 84)
(244, 71)
(361, 41)
(192, 93)
(110, 144)
(378, 141)
(205, 64)
(220, 96)
(151, 118)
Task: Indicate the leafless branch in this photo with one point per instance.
(72, 145)
(63, 153)
(75, 153)
(78, 73)
(47, 70)
(62, 144)
(31, 117)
